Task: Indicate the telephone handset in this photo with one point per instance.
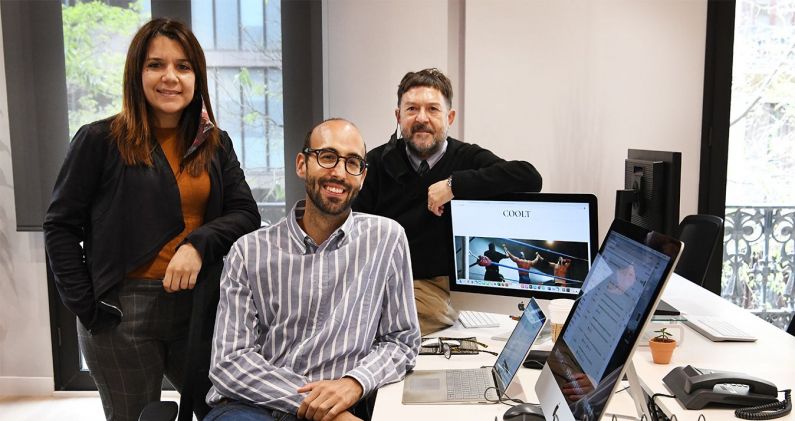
(695, 388)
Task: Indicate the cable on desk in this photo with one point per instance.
(767, 411)
(501, 400)
(620, 390)
(654, 411)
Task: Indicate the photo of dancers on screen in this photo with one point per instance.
(523, 261)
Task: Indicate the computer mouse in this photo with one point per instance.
(525, 411)
(536, 359)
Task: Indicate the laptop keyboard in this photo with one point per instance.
(469, 385)
(470, 319)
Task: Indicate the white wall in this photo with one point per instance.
(25, 350)
(570, 86)
(566, 85)
(370, 44)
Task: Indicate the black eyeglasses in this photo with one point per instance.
(329, 158)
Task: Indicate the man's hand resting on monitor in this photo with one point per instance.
(329, 398)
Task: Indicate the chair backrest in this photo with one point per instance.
(701, 234)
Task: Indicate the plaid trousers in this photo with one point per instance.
(127, 362)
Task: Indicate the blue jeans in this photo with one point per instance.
(239, 411)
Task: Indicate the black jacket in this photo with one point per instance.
(124, 215)
(393, 189)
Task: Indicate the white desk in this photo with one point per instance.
(770, 358)
(388, 404)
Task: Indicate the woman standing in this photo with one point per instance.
(144, 208)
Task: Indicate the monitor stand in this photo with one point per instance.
(503, 336)
(636, 391)
(543, 335)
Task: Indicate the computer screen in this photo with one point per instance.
(600, 334)
(518, 344)
(526, 244)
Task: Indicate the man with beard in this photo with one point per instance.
(415, 175)
(316, 311)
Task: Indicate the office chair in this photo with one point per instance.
(701, 234)
(200, 335)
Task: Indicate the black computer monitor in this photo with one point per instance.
(650, 197)
(524, 244)
(599, 337)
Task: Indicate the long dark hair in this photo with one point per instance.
(132, 127)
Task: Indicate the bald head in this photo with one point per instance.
(325, 131)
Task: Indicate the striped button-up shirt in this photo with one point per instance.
(292, 312)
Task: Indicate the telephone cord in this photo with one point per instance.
(767, 411)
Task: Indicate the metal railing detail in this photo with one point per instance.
(758, 261)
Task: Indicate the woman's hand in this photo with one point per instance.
(183, 269)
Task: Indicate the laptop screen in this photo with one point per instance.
(618, 295)
(518, 345)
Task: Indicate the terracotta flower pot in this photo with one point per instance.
(661, 352)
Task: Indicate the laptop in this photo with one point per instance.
(620, 292)
(477, 385)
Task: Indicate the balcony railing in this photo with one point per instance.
(758, 261)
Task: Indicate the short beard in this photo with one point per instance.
(313, 188)
(426, 151)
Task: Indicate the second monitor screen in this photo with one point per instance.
(537, 246)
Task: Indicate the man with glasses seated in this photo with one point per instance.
(420, 169)
(316, 311)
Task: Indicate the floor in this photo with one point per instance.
(61, 407)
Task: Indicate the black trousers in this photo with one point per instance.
(127, 362)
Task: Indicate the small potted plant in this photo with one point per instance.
(662, 346)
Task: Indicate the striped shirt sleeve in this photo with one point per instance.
(239, 370)
(397, 342)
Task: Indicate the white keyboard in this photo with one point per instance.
(718, 330)
(470, 319)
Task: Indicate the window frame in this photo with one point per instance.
(39, 124)
(718, 62)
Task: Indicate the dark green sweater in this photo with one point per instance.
(393, 189)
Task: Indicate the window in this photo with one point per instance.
(759, 245)
(95, 39)
(50, 96)
(244, 65)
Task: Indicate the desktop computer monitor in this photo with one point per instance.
(599, 336)
(523, 244)
(650, 197)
